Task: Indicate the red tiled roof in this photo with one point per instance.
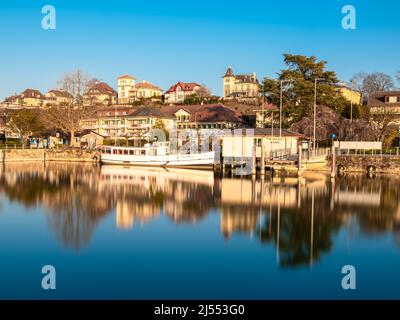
(12, 99)
(186, 86)
(61, 93)
(269, 106)
(205, 113)
(102, 88)
(378, 98)
(150, 112)
(126, 76)
(111, 111)
(31, 93)
(229, 72)
(147, 85)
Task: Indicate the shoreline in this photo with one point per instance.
(94, 157)
(48, 155)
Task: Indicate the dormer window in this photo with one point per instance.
(392, 99)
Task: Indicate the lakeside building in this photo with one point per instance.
(145, 90)
(243, 86)
(349, 94)
(127, 122)
(12, 100)
(134, 123)
(385, 104)
(212, 116)
(129, 91)
(57, 98)
(109, 122)
(240, 143)
(91, 139)
(32, 98)
(27, 98)
(180, 91)
(100, 94)
(126, 83)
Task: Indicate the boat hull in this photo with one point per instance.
(201, 160)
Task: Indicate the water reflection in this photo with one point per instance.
(298, 217)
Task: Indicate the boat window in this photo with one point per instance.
(115, 151)
(143, 152)
(119, 151)
(131, 152)
(125, 152)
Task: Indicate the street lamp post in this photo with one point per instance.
(315, 111)
(115, 123)
(351, 101)
(272, 123)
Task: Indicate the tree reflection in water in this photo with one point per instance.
(300, 217)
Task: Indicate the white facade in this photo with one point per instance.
(125, 85)
(242, 146)
(178, 94)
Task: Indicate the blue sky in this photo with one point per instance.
(169, 41)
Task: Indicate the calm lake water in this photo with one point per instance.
(135, 233)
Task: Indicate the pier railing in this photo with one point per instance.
(384, 152)
(281, 154)
(315, 154)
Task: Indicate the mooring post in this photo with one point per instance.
(300, 152)
(333, 163)
(262, 160)
(254, 162)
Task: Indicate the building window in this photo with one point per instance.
(393, 99)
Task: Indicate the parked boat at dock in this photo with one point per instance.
(157, 154)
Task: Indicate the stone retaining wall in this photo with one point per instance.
(17, 155)
(72, 155)
(384, 164)
(65, 155)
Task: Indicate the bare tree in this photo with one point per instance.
(204, 91)
(77, 83)
(398, 76)
(381, 123)
(357, 83)
(68, 118)
(378, 82)
(369, 83)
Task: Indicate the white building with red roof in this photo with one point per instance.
(180, 91)
(126, 83)
(145, 90)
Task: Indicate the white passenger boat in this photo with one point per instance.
(158, 154)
